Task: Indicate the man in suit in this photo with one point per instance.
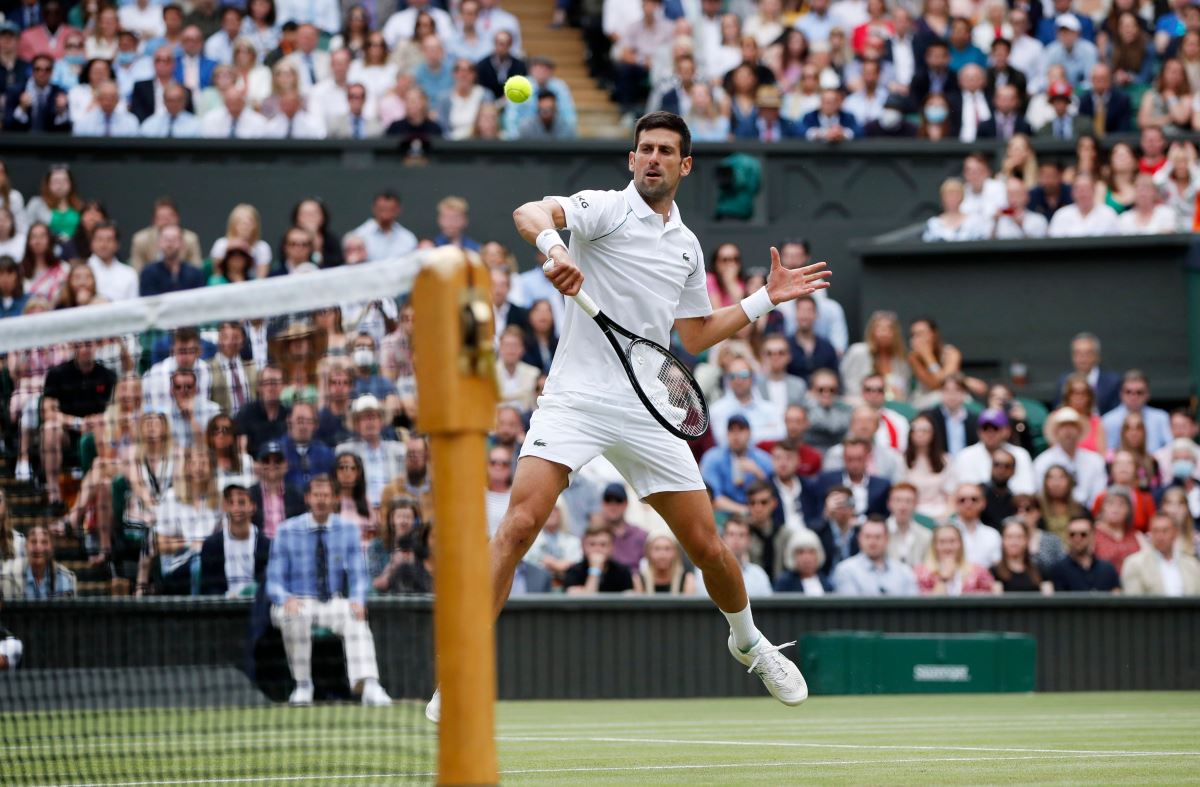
(353, 125)
(143, 248)
(306, 457)
(828, 122)
(1064, 126)
(311, 64)
(148, 95)
(14, 71)
(235, 555)
(1001, 73)
(170, 272)
(492, 72)
(1006, 120)
(173, 120)
(1050, 193)
(1085, 360)
(504, 311)
(953, 426)
(194, 70)
(37, 105)
(234, 380)
(935, 78)
(869, 493)
(834, 523)
(1109, 111)
(274, 499)
(1162, 569)
(317, 575)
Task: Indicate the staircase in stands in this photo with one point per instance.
(599, 117)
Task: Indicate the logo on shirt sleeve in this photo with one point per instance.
(579, 201)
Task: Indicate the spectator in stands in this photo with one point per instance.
(556, 549)
(372, 68)
(493, 71)
(772, 128)
(244, 225)
(1085, 360)
(663, 570)
(1056, 501)
(170, 273)
(541, 73)
(726, 282)
(1184, 431)
(867, 102)
(329, 98)
(382, 459)
(1085, 217)
(973, 464)
(193, 70)
(952, 224)
(516, 378)
(629, 540)
(975, 107)
(334, 416)
(881, 352)
(115, 280)
(872, 572)
(501, 464)
(765, 418)
(1110, 110)
(38, 575)
(1117, 188)
(736, 536)
(234, 120)
(802, 562)
(1081, 570)
(1064, 429)
(1135, 396)
(1180, 181)
(908, 538)
(997, 495)
(1147, 216)
(636, 48)
(768, 536)
(1015, 221)
(796, 424)
(12, 286)
(229, 463)
(885, 461)
(1177, 501)
(730, 469)
(1005, 121)
(174, 120)
(1018, 570)
(788, 488)
(1063, 125)
(306, 457)
(10, 647)
(383, 234)
(37, 106)
(1072, 48)
(949, 571)
(891, 121)
(982, 543)
(1162, 568)
(415, 482)
(109, 119)
(188, 513)
(1045, 546)
(598, 572)
(13, 70)
(869, 492)
(74, 390)
(548, 123)
(829, 122)
(1115, 536)
(144, 247)
(188, 412)
(775, 385)
(265, 418)
(809, 351)
(317, 574)
(541, 342)
(404, 24)
(1153, 143)
(274, 499)
(1051, 193)
(79, 288)
(1169, 104)
(149, 96)
(234, 558)
(218, 47)
(310, 62)
(350, 493)
(293, 121)
(828, 415)
(927, 468)
(1124, 471)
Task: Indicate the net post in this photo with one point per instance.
(455, 368)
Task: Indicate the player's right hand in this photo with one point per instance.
(562, 272)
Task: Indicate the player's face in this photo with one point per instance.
(657, 164)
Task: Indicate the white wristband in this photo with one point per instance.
(757, 303)
(547, 240)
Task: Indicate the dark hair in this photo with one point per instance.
(290, 26)
(837, 489)
(270, 17)
(759, 486)
(84, 78)
(1084, 514)
(801, 242)
(319, 478)
(1004, 42)
(671, 122)
(106, 225)
(1001, 569)
(188, 334)
(229, 489)
(7, 264)
(359, 490)
(543, 93)
(28, 262)
(937, 456)
(388, 194)
(937, 43)
(320, 204)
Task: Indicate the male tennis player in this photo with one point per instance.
(644, 268)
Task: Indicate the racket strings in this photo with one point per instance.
(669, 387)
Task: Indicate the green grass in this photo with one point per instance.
(1126, 738)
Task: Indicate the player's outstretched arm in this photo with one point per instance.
(537, 223)
(783, 285)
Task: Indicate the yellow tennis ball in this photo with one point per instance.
(518, 89)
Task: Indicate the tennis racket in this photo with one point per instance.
(664, 385)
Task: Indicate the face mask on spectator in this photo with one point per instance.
(125, 58)
(890, 118)
(74, 60)
(936, 114)
(363, 357)
(1183, 468)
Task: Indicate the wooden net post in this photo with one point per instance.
(456, 383)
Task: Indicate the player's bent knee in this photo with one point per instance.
(708, 553)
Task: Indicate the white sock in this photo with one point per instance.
(742, 626)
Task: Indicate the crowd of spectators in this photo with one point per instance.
(1125, 191)
(868, 467)
(285, 70)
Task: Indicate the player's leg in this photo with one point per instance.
(536, 487)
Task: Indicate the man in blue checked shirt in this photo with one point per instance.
(317, 576)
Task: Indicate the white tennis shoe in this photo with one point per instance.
(777, 672)
(302, 696)
(433, 711)
(373, 695)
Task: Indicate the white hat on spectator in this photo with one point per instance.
(1067, 22)
(365, 404)
(1063, 415)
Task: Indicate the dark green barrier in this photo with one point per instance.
(867, 662)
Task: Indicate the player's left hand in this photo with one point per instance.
(785, 284)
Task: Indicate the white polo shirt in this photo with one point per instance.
(116, 280)
(1068, 222)
(642, 273)
(973, 465)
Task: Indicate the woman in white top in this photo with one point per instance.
(729, 54)
(82, 98)
(12, 199)
(461, 107)
(102, 43)
(928, 469)
(188, 513)
(374, 72)
(952, 224)
(259, 27)
(1180, 182)
(244, 224)
(12, 242)
(254, 77)
(1147, 216)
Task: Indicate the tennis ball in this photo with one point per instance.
(518, 89)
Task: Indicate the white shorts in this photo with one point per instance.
(572, 430)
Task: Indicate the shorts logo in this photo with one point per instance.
(540, 443)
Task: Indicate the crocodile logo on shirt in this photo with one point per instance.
(686, 258)
(540, 443)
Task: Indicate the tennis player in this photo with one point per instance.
(644, 268)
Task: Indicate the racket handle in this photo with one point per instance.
(581, 298)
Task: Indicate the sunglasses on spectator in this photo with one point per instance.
(222, 429)
(1078, 533)
(969, 500)
(872, 389)
(825, 389)
(744, 374)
